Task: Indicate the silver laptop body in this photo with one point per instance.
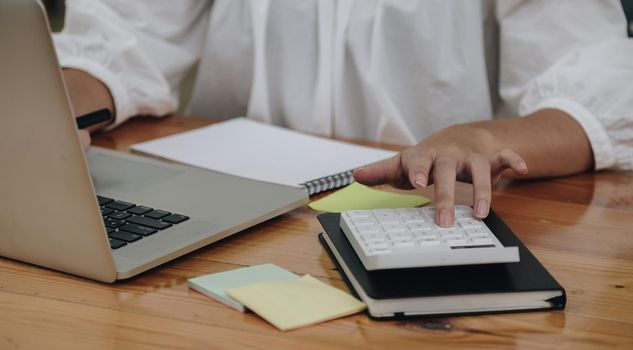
(49, 214)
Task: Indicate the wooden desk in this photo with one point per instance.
(580, 228)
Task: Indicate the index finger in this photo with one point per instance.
(444, 175)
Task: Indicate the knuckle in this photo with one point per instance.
(483, 191)
(441, 203)
(445, 163)
(474, 157)
(444, 198)
(507, 153)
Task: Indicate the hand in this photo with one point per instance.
(87, 94)
(84, 138)
(463, 152)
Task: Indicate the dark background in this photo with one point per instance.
(628, 10)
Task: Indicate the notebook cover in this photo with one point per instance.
(525, 276)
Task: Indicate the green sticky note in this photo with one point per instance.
(215, 285)
(357, 196)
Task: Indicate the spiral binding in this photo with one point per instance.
(329, 182)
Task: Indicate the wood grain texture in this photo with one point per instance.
(580, 228)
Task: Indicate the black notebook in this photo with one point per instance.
(446, 290)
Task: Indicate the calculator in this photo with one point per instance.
(409, 238)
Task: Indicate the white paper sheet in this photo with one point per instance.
(263, 152)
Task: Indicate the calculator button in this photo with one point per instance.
(367, 229)
(429, 211)
(387, 219)
(359, 213)
(393, 228)
(408, 211)
(463, 209)
(457, 241)
(428, 242)
(413, 219)
(426, 234)
(448, 234)
(363, 221)
(419, 227)
(399, 236)
(369, 240)
(480, 232)
(463, 215)
(466, 224)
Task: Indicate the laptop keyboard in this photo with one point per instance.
(127, 222)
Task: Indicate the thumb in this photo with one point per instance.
(388, 171)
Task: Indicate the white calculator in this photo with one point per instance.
(409, 237)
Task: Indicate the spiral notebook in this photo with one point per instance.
(254, 150)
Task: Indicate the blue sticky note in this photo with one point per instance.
(215, 285)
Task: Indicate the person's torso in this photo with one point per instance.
(390, 71)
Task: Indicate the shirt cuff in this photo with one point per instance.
(603, 152)
(122, 104)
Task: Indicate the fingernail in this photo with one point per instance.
(445, 218)
(420, 179)
(482, 208)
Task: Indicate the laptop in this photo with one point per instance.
(102, 214)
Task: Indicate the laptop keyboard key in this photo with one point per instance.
(157, 214)
(115, 243)
(139, 210)
(149, 222)
(104, 200)
(119, 215)
(125, 236)
(138, 229)
(119, 205)
(126, 222)
(113, 223)
(175, 218)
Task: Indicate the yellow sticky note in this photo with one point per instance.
(296, 303)
(357, 196)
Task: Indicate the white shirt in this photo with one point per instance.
(389, 71)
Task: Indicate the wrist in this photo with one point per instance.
(87, 93)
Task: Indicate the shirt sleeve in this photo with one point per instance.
(573, 56)
(140, 50)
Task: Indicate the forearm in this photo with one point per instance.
(87, 93)
(551, 142)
